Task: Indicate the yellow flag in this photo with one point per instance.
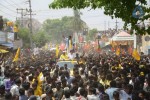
(17, 55)
(57, 51)
(135, 55)
(3, 51)
(118, 51)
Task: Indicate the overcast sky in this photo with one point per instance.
(94, 18)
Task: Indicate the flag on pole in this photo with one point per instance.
(57, 51)
(135, 55)
(16, 58)
(118, 51)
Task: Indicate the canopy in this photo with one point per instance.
(122, 36)
(3, 51)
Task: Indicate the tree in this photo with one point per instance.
(115, 8)
(24, 35)
(78, 23)
(40, 38)
(56, 28)
(92, 34)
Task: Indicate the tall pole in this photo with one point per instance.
(22, 14)
(30, 26)
(116, 25)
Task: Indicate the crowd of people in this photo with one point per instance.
(95, 77)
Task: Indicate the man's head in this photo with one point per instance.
(18, 81)
(67, 93)
(30, 92)
(113, 84)
(49, 92)
(22, 91)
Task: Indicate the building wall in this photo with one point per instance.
(145, 45)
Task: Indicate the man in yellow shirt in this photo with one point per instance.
(63, 56)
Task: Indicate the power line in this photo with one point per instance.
(7, 13)
(22, 14)
(15, 3)
(7, 8)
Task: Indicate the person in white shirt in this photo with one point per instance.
(67, 95)
(92, 94)
(72, 94)
(111, 90)
(126, 94)
(71, 55)
(83, 94)
(15, 88)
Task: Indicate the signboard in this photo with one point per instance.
(3, 37)
(10, 37)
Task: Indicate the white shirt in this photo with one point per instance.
(14, 90)
(71, 56)
(73, 97)
(93, 97)
(110, 92)
(124, 95)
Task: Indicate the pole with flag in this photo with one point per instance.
(16, 58)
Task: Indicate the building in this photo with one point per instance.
(145, 48)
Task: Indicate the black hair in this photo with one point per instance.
(17, 81)
(49, 91)
(22, 91)
(72, 92)
(31, 91)
(113, 83)
(83, 92)
(92, 90)
(67, 93)
(63, 80)
(100, 87)
(30, 78)
(26, 85)
(8, 96)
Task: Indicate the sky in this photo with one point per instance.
(41, 11)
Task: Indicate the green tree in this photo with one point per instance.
(92, 34)
(78, 23)
(24, 35)
(115, 8)
(40, 38)
(56, 28)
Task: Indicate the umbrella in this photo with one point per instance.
(3, 51)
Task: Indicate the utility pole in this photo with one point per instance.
(116, 24)
(22, 14)
(30, 26)
(105, 26)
